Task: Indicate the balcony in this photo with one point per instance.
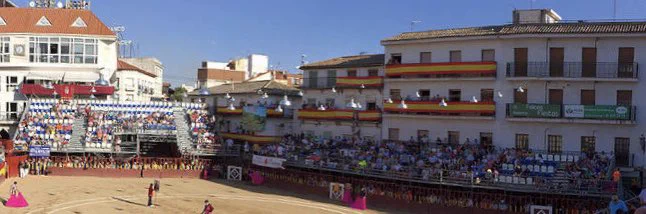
(343, 82)
(573, 71)
(9, 117)
(433, 110)
(251, 138)
(339, 114)
(556, 113)
(271, 112)
(66, 90)
(443, 71)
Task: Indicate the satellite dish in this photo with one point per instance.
(59, 4)
(32, 4)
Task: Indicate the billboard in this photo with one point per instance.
(534, 110)
(604, 112)
(254, 118)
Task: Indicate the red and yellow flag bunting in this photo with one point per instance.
(434, 107)
(311, 114)
(374, 81)
(252, 138)
(441, 68)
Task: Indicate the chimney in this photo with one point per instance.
(535, 16)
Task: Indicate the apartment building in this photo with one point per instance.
(343, 97)
(132, 83)
(52, 52)
(539, 83)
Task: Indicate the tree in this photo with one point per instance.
(178, 95)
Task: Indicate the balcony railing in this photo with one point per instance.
(271, 112)
(556, 111)
(343, 82)
(66, 90)
(442, 70)
(460, 108)
(338, 114)
(611, 70)
(10, 116)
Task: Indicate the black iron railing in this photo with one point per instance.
(573, 70)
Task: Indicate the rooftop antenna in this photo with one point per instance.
(413, 23)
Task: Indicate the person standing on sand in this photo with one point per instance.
(151, 193)
(14, 188)
(208, 209)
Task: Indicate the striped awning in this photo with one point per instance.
(44, 75)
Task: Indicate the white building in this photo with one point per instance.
(136, 84)
(539, 83)
(343, 97)
(46, 50)
(228, 102)
(152, 66)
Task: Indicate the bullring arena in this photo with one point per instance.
(63, 194)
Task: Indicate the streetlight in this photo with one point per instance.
(231, 107)
(403, 105)
(321, 108)
(285, 101)
(333, 90)
(474, 100)
(279, 109)
(389, 100)
(520, 89)
(443, 103)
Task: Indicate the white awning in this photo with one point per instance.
(45, 75)
(81, 76)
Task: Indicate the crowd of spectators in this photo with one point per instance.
(95, 162)
(470, 162)
(47, 122)
(201, 132)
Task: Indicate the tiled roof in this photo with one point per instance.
(23, 20)
(124, 66)
(269, 86)
(517, 29)
(347, 62)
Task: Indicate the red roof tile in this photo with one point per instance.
(23, 20)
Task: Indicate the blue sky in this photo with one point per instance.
(184, 33)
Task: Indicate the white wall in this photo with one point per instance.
(504, 131)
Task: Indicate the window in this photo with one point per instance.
(373, 72)
(587, 97)
(486, 139)
(520, 62)
(372, 106)
(63, 50)
(5, 45)
(488, 55)
(331, 78)
(395, 94)
(12, 83)
(79, 23)
(626, 60)
(554, 143)
(454, 137)
(624, 97)
(622, 151)
(455, 95)
(425, 57)
(393, 134)
(329, 102)
(522, 141)
(424, 94)
(395, 58)
(422, 134)
(486, 95)
(130, 97)
(588, 144)
(312, 102)
(456, 56)
(556, 96)
(352, 73)
(130, 84)
(43, 22)
(12, 110)
(520, 97)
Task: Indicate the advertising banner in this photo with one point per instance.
(535, 110)
(39, 151)
(606, 112)
(270, 162)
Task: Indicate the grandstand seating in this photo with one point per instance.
(51, 121)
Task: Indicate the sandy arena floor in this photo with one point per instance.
(129, 195)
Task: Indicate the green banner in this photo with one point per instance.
(602, 112)
(534, 110)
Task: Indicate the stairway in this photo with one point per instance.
(78, 132)
(184, 143)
